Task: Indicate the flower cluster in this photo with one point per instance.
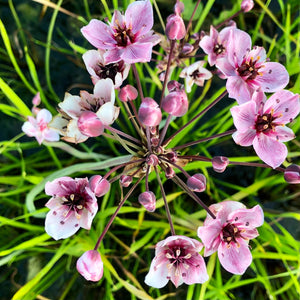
(259, 120)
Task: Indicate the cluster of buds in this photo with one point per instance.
(260, 121)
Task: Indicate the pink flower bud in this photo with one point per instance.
(152, 160)
(220, 163)
(169, 172)
(174, 85)
(172, 156)
(247, 5)
(148, 200)
(175, 28)
(292, 174)
(187, 48)
(36, 100)
(99, 185)
(128, 92)
(89, 124)
(125, 180)
(176, 103)
(197, 182)
(178, 7)
(149, 112)
(90, 265)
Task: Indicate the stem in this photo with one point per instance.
(138, 81)
(111, 129)
(116, 212)
(192, 16)
(164, 131)
(184, 172)
(167, 71)
(195, 118)
(121, 166)
(146, 179)
(227, 20)
(148, 139)
(177, 180)
(115, 137)
(132, 119)
(205, 139)
(259, 165)
(165, 201)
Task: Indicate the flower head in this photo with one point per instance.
(99, 69)
(177, 259)
(84, 116)
(263, 125)
(128, 37)
(90, 265)
(229, 234)
(248, 70)
(195, 74)
(73, 205)
(38, 127)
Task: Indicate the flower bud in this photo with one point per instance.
(149, 112)
(247, 5)
(197, 182)
(178, 7)
(172, 156)
(176, 103)
(128, 92)
(36, 100)
(174, 85)
(89, 124)
(220, 163)
(90, 265)
(148, 200)
(187, 48)
(175, 28)
(169, 173)
(100, 186)
(292, 174)
(152, 160)
(125, 180)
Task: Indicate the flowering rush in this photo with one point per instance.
(155, 152)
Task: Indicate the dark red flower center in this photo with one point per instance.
(265, 123)
(230, 233)
(110, 70)
(219, 49)
(249, 69)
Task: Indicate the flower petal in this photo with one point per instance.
(271, 151)
(235, 259)
(247, 218)
(244, 116)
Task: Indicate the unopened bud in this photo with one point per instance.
(172, 156)
(169, 172)
(89, 124)
(220, 163)
(90, 265)
(36, 100)
(178, 7)
(174, 85)
(125, 180)
(149, 112)
(128, 92)
(247, 5)
(292, 174)
(175, 28)
(176, 103)
(187, 49)
(100, 186)
(197, 182)
(152, 160)
(148, 200)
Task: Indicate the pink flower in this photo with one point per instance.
(73, 205)
(248, 70)
(247, 5)
(38, 127)
(195, 74)
(215, 44)
(177, 259)
(90, 265)
(263, 125)
(75, 124)
(230, 232)
(99, 69)
(128, 37)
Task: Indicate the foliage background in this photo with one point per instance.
(40, 50)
